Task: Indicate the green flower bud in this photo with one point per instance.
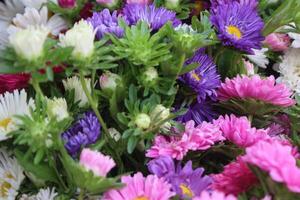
(142, 121)
(57, 108)
(160, 112)
(149, 77)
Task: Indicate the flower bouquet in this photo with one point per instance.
(150, 100)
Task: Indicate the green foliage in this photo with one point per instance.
(140, 47)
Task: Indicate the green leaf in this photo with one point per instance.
(189, 68)
(132, 142)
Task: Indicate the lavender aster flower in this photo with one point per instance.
(198, 112)
(104, 23)
(204, 80)
(185, 181)
(84, 132)
(238, 25)
(155, 17)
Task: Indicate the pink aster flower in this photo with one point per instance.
(249, 67)
(95, 161)
(278, 41)
(168, 146)
(144, 2)
(201, 137)
(10, 82)
(214, 195)
(255, 87)
(235, 173)
(277, 160)
(238, 130)
(141, 188)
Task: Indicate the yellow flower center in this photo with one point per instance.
(235, 31)
(195, 76)
(5, 122)
(5, 186)
(142, 198)
(186, 191)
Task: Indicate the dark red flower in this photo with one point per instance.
(10, 82)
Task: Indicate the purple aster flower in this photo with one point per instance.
(106, 23)
(238, 25)
(155, 17)
(204, 80)
(185, 181)
(198, 112)
(85, 131)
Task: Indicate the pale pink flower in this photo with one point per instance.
(235, 173)
(168, 146)
(141, 188)
(144, 2)
(278, 41)
(238, 130)
(214, 195)
(255, 87)
(249, 67)
(95, 161)
(277, 160)
(201, 137)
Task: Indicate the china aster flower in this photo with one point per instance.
(289, 70)
(106, 23)
(198, 112)
(96, 162)
(10, 82)
(214, 195)
(278, 41)
(204, 80)
(84, 132)
(138, 187)
(155, 17)
(276, 159)
(162, 166)
(236, 178)
(11, 176)
(259, 57)
(296, 39)
(238, 130)
(238, 25)
(11, 105)
(257, 88)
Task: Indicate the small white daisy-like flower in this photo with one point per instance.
(58, 108)
(289, 69)
(12, 104)
(46, 194)
(259, 57)
(37, 4)
(74, 83)
(296, 38)
(11, 176)
(34, 17)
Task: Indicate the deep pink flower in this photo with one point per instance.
(235, 179)
(10, 82)
(255, 87)
(238, 130)
(278, 41)
(141, 188)
(277, 159)
(95, 161)
(214, 195)
(67, 3)
(168, 146)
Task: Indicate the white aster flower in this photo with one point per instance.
(11, 176)
(73, 83)
(289, 69)
(29, 43)
(46, 194)
(12, 104)
(33, 17)
(37, 4)
(58, 108)
(296, 38)
(259, 58)
(81, 37)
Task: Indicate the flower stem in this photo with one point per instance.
(81, 194)
(260, 178)
(92, 103)
(35, 84)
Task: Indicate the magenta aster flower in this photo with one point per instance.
(238, 25)
(266, 90)
(276, 159)
(106, 23)
(141, 188)
(95, 161)
(214, 195)
(10, 82)
(238, 130)
(236, 178)
(204, 80)
(155, 17)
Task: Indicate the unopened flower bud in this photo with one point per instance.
(109, 81)
(108, 3)
(149, 76)
(67, 3)
(172, 4)
(116, 135)
(57, 108)
(160, 112)
(143, 121)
